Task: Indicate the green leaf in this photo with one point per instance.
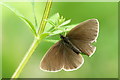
(65, 23)
(52, 21)
(50, 40)
(55, 17)
(58, 25)
(44, 35)
(63, 29)
(31, 26)
(69, 27)
(57, 32)
(61, 20)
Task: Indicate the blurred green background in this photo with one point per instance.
(17, 39)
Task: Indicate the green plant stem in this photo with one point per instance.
(36, 41)
(26, 58)
(45, 16)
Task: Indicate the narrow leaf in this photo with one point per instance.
(54, 19)
(31, 26)
(57, 32)
(50, 40)
(69, 27)
(51, 22)
(44, 35)
(65, 23)
(63, 29)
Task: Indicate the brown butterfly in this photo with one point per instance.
(65, 53)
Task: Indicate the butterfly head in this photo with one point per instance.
(62, 37)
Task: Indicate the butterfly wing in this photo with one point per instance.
(72, 61)
(59, 56)
(53, 60)
(84, 34)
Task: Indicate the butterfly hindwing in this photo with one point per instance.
(59, 56)
(72, 60)
(53, 59)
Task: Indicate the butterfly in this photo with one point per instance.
(66, 53)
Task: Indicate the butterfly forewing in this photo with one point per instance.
(53, 60)
(84, 34)
(86, 31)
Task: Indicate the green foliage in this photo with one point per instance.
(57, 23)
(38, 37)
(31, 26)
(57, 26)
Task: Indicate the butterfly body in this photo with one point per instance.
(66, 41)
